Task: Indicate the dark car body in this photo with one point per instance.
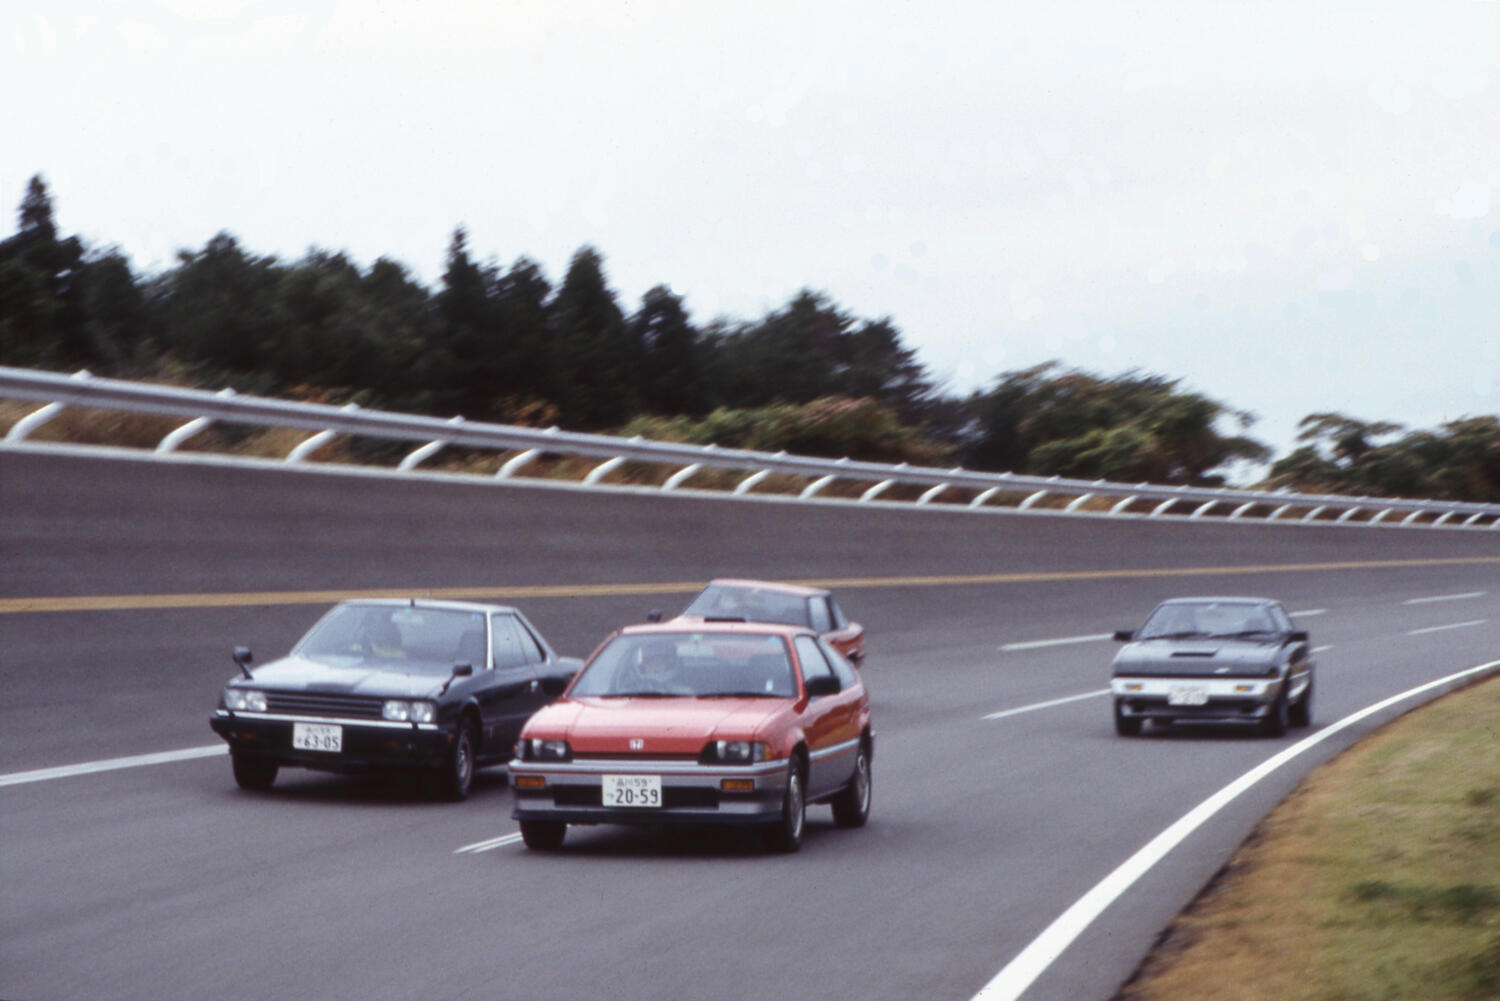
(437, 685)
(700, 723)
(732, 599)
(1237, 660)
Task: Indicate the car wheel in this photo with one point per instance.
(1274, 723)
(1126, 726)
(458, 771)
(1301, 713)
(543, 835)
(253, 773)
(785, 835)
(851, 808)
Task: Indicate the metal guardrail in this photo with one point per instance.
(1096, 497)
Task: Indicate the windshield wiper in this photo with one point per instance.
(1189, 634)
(738, 695)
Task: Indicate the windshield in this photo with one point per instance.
(397, 637)
(751, 604)
(689, 664)
(1181, 620)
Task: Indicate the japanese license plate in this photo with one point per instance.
(318, 737)
(632, 790)
(1187, 695)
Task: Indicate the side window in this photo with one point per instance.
(841, 666)
(839, 619)
(818, 615)
(506, 642)
(531, 650)
(814, 664)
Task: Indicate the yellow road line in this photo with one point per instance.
(126, 602)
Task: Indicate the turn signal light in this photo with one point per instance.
(531, 782)
(737, 785)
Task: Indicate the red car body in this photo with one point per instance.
(729, 598)
(699, 723)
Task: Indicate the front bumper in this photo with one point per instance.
(1216, 700)
(692, 793)
(367, 744)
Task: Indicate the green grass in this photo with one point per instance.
(1377, 880)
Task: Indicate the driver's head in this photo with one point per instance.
(658, 657)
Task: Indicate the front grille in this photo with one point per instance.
(314, 704)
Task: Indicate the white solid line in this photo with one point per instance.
(484, 846)
(1047, 705)
(1320, 649)
(1452, 625)
(134, 761)
(1019, 974)
(1445, 597)
(1310, 613)
(1038, 644)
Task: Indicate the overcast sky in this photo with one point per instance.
(1292, 207)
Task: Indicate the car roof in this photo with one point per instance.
(731, 627)
(433, 603)
(769, 585)
(1221, 599)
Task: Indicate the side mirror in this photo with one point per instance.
(1124, 635)
(243, 657)
(654, 615)
(460, 670)
(555, 686)
(823, 685)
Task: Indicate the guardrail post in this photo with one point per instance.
(192, 427)
(314, 442)
(23, 427)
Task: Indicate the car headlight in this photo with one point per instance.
(736, 752)
(244, 700)
(538, 749)
(402, 711)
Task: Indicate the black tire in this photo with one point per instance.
(785, 835)
(1301, 713)
(543, 835)
(1126, 726)
(458, 770)
(851, 808)
(253, 773)
(1275, 722)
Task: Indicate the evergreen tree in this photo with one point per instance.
(672, 380)
(599, 361)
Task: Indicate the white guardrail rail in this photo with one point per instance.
(520, 446)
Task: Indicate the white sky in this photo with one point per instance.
(1291, 206)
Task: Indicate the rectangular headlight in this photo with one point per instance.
(738, 752)
(537, 749)
(244, 700)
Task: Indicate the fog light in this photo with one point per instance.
(737, 785)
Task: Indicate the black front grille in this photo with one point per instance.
(314, 704)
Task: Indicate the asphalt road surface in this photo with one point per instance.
(1002, 795)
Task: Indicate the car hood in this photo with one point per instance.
(665, 726)
(1191, 657)
(300, 674)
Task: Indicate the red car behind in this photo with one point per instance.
(700, 723)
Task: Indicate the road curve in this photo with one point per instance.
(1002, 795)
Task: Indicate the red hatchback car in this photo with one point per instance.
(707, 723)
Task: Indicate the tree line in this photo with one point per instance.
(506, 344)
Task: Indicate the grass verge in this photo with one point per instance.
(1377, 880)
